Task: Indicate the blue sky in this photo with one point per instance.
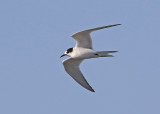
(35, 33)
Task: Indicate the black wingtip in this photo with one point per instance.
(113, 25)
(92, 90)
(117, 24)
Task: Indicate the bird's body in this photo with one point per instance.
(82, 50)
(83, 53)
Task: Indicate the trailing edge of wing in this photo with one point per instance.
(72, 68)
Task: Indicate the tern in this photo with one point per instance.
(83, 50)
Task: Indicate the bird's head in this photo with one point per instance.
(67, 52)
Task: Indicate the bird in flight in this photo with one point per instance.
(83, 50)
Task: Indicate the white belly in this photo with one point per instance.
(83, 53)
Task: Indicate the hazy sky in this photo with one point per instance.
(35, 33)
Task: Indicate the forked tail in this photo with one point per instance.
(105, 53)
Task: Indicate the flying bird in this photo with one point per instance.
(83, 50)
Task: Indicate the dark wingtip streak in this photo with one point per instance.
(117, 24)
(90, 89)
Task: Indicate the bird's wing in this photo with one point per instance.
(83, 38)
(72, 68)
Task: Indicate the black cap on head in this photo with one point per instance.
(69, 50)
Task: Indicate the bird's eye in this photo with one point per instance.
(69, 50)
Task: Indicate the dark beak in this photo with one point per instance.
(63, 55)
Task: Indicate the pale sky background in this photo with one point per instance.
(35, 33)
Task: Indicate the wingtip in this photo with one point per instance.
(91, 89)
(117, 24)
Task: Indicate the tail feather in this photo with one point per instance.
(105, 53)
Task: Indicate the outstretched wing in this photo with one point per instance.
(72, 68)
(83, 38)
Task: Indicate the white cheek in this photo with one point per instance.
(69, 54)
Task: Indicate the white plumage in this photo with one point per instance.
(82, 50)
